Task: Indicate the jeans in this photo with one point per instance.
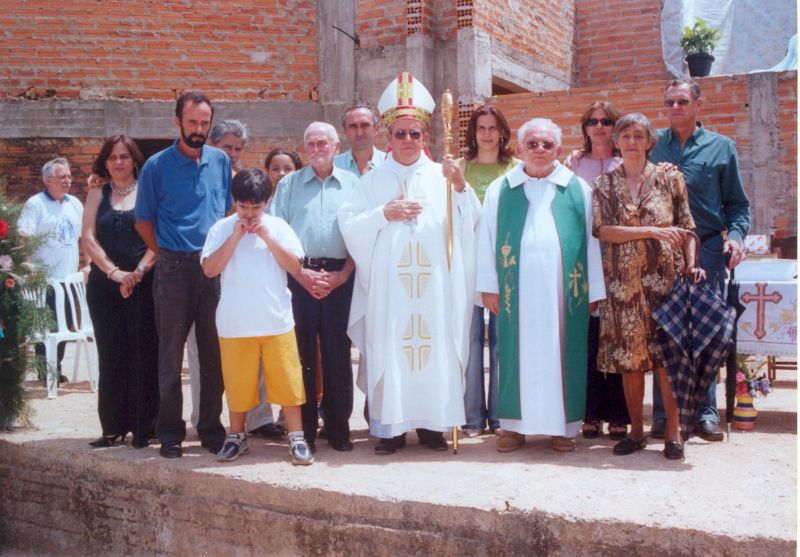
(325, 319)
(712, 260)
(475, 406)
(184, 296)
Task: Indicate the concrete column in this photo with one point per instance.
(474, 59)
(337, 67)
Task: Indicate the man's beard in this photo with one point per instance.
(193, 140)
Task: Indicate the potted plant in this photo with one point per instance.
(749, 384)
(697, 43)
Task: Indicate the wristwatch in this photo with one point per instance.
(141, 268)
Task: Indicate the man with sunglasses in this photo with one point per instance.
(719, 206)
(411, 308)
(540, 272)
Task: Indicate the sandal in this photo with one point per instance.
(617, 432)
(592, 429)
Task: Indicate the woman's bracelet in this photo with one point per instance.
(112, 271)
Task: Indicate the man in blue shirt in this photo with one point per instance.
(719, 206)
(308, 200)
(360, 125)
(183, 190)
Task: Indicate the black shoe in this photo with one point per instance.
(107, 441)
(385, 446)
(171, 451)
(342, 445)
(213, 445)
(435, 441)
(673, 450)
(657, 431)
(268, 430)
(628, 446)
(62, 378)
(709, 431)
(140, 442)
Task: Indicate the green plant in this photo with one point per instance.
(19, 316)
(699, 39)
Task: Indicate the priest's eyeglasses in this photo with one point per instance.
(400, 135)
(546, 145)
(592, 122)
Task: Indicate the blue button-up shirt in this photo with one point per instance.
(347, 162)
(711, 167)
(309, 205)
(184, 197)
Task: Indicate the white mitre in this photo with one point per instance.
(405, 97)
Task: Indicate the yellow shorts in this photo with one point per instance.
(283, 376)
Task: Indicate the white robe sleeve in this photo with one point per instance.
(486, 274)
(597, 285)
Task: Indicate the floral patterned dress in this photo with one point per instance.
(639, 273)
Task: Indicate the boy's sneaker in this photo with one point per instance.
(234, 447)
(300, 451)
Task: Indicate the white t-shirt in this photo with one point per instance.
(255, 300)
(60, 223)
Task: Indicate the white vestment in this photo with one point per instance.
(541, 290)
(409, 315)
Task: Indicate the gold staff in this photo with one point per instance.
(447, 119)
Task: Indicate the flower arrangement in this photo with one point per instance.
(750, 383)
(19, 316)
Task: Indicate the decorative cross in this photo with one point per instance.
(761, 299)
(418, 342)
(573, 281)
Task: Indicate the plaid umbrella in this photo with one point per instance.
(694, 334)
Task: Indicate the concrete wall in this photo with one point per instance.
(756, 110)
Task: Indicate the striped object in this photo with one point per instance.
(744, 414)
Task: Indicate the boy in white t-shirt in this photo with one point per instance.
(253, 251)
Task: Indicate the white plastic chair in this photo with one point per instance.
(82, 323)
(71, 288)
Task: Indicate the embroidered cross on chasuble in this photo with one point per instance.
(414, 272)
(568, 214)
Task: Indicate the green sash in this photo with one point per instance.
(568, 212)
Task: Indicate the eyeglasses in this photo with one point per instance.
(546, 145)
(680, 102)
(592, 122)
(402, 134)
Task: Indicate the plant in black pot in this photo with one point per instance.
(697, 43)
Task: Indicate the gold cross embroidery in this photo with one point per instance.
(573, 279)
(404, 90)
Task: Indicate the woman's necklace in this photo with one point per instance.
(122, 192)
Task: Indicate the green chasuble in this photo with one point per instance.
(569, 216)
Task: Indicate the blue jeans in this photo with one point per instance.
(475, 405)
(712, 260)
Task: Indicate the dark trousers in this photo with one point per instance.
(184, 295)
(39, 350)
(127, 348)
(325, 319)
(605, 397)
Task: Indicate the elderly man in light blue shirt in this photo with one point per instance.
(308, 200)
(360, 125)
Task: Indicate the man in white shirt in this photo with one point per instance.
(57, 216)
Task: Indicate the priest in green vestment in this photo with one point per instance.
(539, 270)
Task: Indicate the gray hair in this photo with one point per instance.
(49, 168)
(221, 129)
(634, 119)
(539, 122)
(323, 127)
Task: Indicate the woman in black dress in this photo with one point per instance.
(120, 298)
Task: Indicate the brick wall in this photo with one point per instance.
(148, 50)
(725, 111)
(618, 41)
(381, 22)
(543, 29)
